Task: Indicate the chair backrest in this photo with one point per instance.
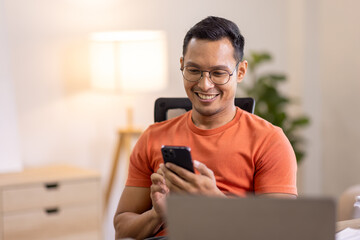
(162, 105)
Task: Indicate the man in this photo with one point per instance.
(237, 152)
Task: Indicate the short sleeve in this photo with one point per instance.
(275, 169)
(139, 168)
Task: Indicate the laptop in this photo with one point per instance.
(199, 217)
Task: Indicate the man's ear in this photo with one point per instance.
(241, 71)
(181, 62)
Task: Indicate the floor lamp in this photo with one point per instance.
(132, 62)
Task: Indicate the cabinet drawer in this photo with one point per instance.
(46, 195)
(72, 222)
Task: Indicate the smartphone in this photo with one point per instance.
(179, 155)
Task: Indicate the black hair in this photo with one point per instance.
(215, 28)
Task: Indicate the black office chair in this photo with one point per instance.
(162, 105)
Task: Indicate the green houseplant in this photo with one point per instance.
(272, 104)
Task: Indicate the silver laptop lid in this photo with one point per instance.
(198, 217)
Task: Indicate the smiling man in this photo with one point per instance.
(237, 153)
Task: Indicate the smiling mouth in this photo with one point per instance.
(206, 96)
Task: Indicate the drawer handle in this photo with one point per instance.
(51, 210)
(51, 185)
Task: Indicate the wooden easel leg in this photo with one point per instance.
(114, 167)
(127, 147)
(124, 143)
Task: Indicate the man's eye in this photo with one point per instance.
(219, 73)
(193, 70)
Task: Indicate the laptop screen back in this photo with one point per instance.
(198, 217)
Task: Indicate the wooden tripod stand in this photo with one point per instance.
(123, 144)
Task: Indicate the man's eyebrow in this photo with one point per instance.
(192, 64)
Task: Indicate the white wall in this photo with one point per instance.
(340, 82)
(303, 69)
(10, 156)
(61, 120)
(45, 37)
(326, 62)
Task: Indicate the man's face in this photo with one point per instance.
(207, 98)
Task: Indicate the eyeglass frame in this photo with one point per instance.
(202, 74)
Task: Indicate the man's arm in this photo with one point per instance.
(135, 216)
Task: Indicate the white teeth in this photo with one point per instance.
(206, 97)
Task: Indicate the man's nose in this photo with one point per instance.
(205, 82)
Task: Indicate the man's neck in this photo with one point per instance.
(213, 121)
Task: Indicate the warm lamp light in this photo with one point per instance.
(129, 61)
(132, 62)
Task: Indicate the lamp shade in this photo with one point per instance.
(130, 61)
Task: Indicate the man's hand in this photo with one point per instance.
(158, 193)
(181, 180)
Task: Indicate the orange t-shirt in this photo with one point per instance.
(247, 155)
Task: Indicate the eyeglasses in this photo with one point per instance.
(216, 76)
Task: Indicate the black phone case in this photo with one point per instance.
(179, 155)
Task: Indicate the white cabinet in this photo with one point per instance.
(57, 202)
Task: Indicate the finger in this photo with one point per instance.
(176, 189)
(160, 171)
(158, 184)
(173, 181)
(167, 171)
(157, 178)
(179, 185)
(203, 169)
(158, 189)
(181, 172)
